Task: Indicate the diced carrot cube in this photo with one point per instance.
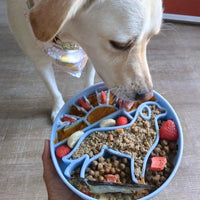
(119, 130)
(110, 137)
(134, 125)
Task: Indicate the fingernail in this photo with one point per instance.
(45, 142)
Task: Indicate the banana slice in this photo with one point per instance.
(108, 123)
(73, 139)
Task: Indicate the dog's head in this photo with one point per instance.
(114, 34)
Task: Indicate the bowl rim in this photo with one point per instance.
(180, 143)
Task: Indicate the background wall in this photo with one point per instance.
(182, 7)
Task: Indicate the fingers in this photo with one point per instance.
(56, 188)
(46, 156)
(46, 152)
(49, 169)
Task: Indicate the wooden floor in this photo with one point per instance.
(25, 105)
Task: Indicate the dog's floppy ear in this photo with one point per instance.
(49, 16)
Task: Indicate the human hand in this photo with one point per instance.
(56, 188)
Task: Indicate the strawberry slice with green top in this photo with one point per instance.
(169, 131)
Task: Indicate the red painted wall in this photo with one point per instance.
(182, 7)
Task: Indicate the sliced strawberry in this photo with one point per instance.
(67, 118)
(111, 178)
(84, 104)
(103, 97)
(121, 121)
(158, 163)
(169, 131)
(62, 150)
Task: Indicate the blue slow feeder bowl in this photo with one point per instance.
(66, 165)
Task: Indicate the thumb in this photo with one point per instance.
(46, 158)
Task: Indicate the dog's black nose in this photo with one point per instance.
(144, 96)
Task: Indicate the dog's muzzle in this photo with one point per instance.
(144, 96)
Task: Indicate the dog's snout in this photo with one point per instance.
(144, 96)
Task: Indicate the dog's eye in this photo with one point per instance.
(121, 46)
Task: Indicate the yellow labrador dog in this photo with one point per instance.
(113, 33)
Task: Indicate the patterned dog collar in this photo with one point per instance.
(69, 57)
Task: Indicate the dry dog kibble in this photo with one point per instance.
(100, 166)
(157, 178)
(101, 159)
(95, 163)
(111, 169)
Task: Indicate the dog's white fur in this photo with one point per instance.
(94, 24)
